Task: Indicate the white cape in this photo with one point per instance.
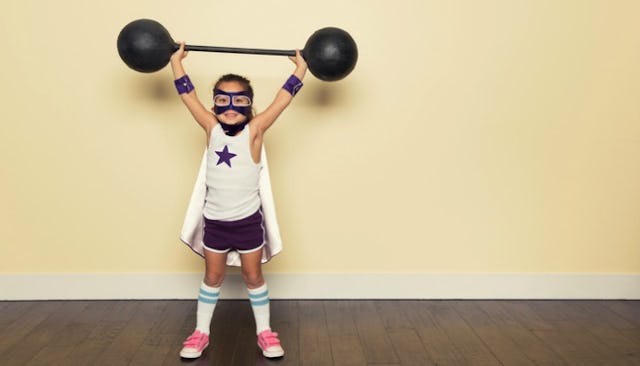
(193, 227)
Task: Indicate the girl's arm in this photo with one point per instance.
(205, 118)
(265, 119)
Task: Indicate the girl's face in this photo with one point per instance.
(231, 105)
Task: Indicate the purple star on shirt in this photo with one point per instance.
(225, 156)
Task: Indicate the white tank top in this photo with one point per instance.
(232, 177)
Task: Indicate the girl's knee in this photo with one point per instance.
(253, 279)
(213, 279)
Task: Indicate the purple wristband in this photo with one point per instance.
(292, 85)
(183, 85)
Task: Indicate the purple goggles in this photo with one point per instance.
(237, 101)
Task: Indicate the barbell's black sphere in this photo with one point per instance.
(331, 54)
(145, 45)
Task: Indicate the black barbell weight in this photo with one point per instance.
(146, 46)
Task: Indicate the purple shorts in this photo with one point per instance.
(244, 235)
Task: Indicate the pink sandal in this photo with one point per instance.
(194, 345)
(270, 344)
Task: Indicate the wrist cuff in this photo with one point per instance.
(292, 85)
(183, 85)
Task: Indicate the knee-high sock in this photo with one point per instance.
(259, 298)
(207, 301)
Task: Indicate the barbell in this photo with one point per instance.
(146, 46)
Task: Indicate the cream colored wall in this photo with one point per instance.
(473, 136)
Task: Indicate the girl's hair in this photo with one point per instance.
(246, 85)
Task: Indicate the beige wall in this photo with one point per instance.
(473, 136)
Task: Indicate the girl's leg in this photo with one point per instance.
(259, 297)
(207, 298)
(252, 269)
(258, 292)
(215, 264)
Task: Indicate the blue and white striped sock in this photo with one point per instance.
(259, 298)
(207, 300)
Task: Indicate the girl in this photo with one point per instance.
(233, 219)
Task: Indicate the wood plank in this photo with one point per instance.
(172, 357)
(401, 329)
(629, 310)
(164, 335)
(225, 331)
(394, 314)
(80, 327)
(315, 344)
(25, 323)
(492, 335)
(51, 356)
(43, 333)
(500, 312)
(474, 351)
(122, 349)
(409, 347)
(606, 326)
(63, 350)
(105, 332)
(522, 311)
(96, 344)
(285, 322)
(346, 347)
(13, 310)
(434, 337)
(123, 310)
(569, 338)
(376, 344)
(246, 351)
(634, 336)
(117, 315)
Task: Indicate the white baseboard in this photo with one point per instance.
(95, 286)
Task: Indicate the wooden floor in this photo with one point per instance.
(382, 333)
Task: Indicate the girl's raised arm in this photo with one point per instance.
(205, 118)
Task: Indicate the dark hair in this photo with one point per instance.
(246, 85)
